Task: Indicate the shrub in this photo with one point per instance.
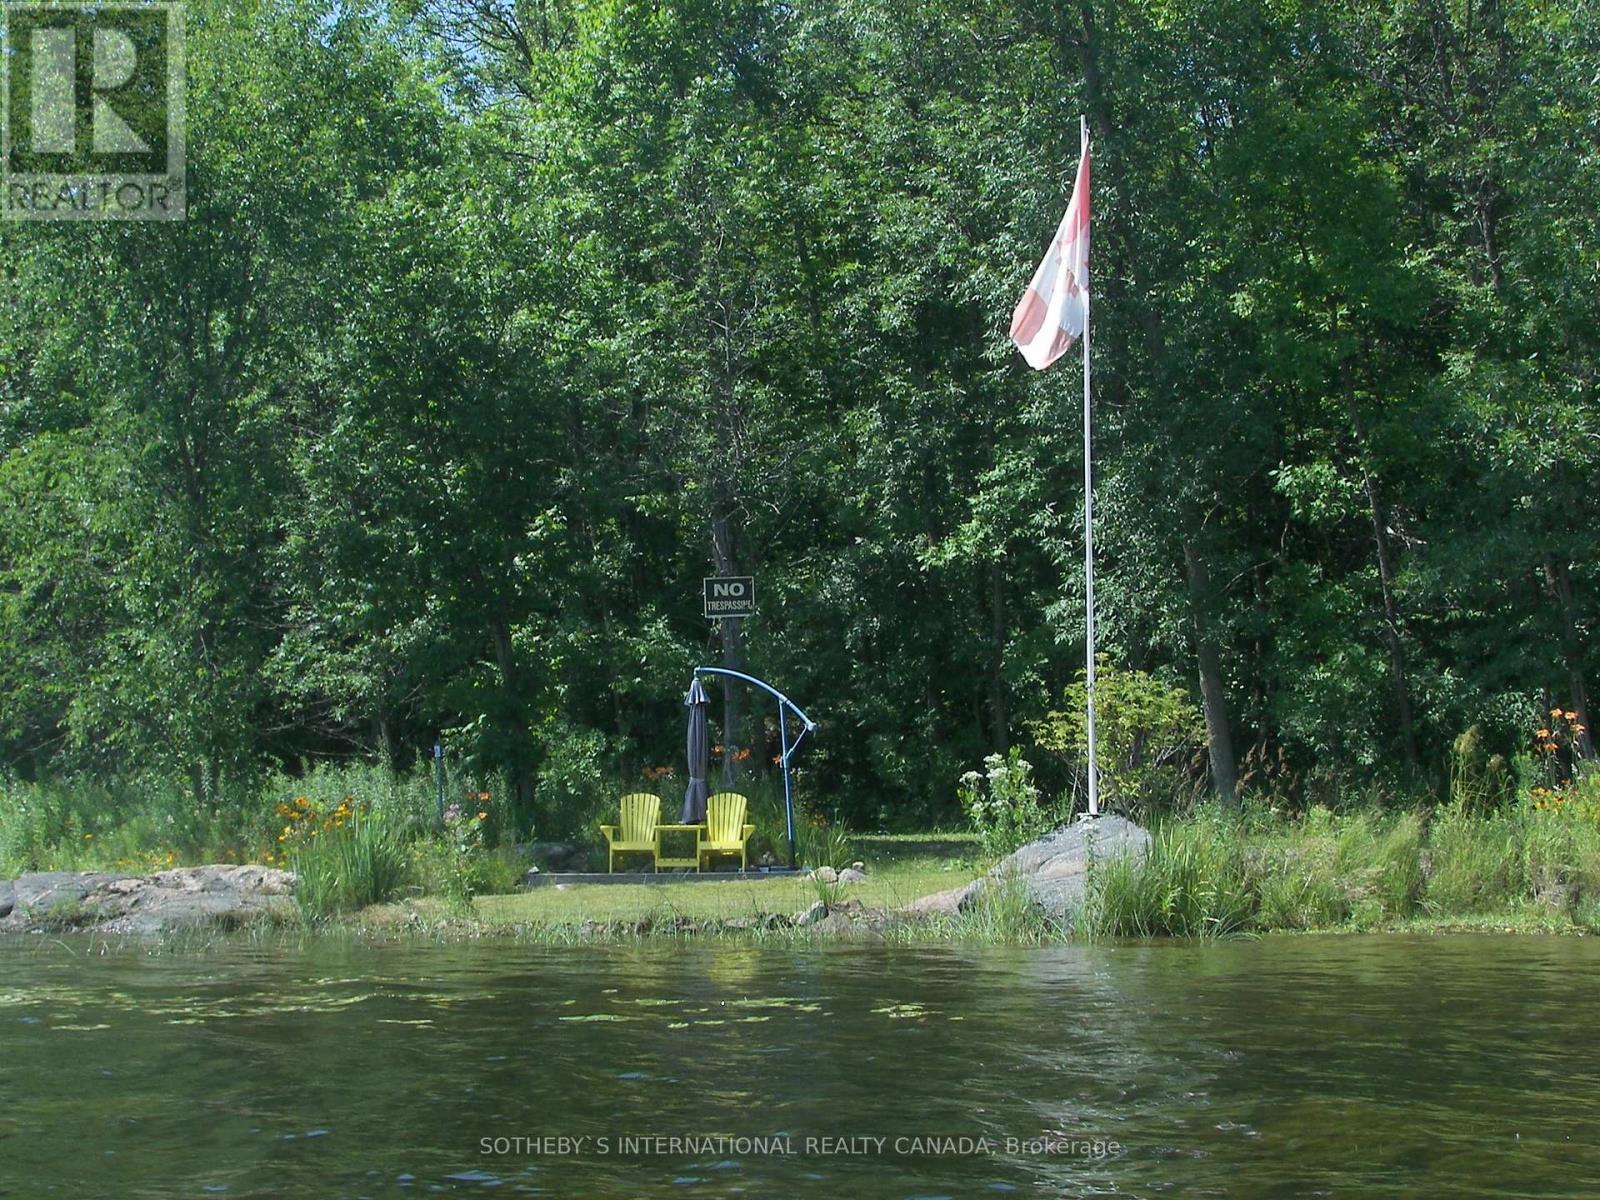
(1479, 781)
(408, 801)
(145, 823)
(463, 842)
(575, 793)
(501, 871)
(1003, 805)
(1144, 732)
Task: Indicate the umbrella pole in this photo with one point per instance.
(788, 792)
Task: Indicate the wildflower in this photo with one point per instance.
(1543, 733)
(483, 816)
(1571, 716)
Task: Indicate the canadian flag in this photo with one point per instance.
(1055, 308)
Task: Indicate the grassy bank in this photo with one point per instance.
(1526, 868)
(1526, 865)
(373, 859)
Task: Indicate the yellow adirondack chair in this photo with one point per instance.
(641, 813)
(725, 831)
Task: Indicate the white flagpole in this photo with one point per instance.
(1088, 534)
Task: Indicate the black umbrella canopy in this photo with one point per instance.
(694, 796)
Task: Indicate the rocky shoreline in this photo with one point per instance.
(221, 896)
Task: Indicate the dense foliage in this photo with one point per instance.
(497, 324)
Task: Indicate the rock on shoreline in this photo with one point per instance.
(143, 905)
(1053, 870)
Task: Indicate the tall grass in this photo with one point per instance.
(1476, 863)
(1193, 881)
(144, 824)
(1517, 855)
(1217, 873)
(148, 822)
(361, 863)
(1004, 913)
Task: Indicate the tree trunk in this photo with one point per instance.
(389, 738)
(724, 557)
(1219, 741)
(521, 766)
(1391, 607)
(1391, 621)
(1559, 581)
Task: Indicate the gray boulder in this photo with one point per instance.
(939, 904)
(184, 898)
(1053, 870)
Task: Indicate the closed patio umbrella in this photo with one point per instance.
(694, 796)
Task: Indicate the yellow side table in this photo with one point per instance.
(692, 859)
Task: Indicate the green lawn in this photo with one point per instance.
(890, 883)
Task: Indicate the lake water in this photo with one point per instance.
(1334, 1066)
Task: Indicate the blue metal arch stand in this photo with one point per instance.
(785, 706)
